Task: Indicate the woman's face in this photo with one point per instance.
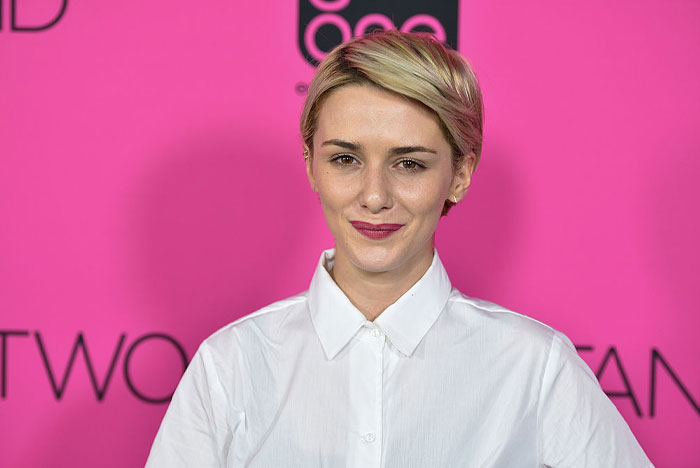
(382, 168)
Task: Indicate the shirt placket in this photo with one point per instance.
(368, 367)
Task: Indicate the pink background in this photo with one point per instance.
(151, 181)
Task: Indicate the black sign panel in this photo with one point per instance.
(324, 24)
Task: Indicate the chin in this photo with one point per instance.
(376, 259)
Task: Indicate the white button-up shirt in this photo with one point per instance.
(439, 379)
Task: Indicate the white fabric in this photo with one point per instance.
(439, 379)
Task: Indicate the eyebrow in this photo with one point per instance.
(395, 150)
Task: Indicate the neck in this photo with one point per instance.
(372, 292)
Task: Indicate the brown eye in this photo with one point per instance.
(344, 160)
(410, 165)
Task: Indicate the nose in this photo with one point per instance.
(375, 193)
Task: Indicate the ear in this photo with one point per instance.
(463, 177)
(308, 159)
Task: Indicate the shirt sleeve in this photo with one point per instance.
(577, 424)
(194, 431)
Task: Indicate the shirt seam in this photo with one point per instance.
(284, 303)
(546, 367)
(245, 377)
(206, 357)
(499, 309)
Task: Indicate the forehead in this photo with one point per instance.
(365, 112)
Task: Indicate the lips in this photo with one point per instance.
(375, 231)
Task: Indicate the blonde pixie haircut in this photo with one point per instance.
(414, 65)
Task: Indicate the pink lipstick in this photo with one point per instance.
(375, 231)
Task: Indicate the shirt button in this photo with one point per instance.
(376, 333)
(370, 437)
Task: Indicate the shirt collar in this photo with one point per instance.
(405, 322)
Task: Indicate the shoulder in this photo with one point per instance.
(262, 325)
(481, 313)
(499, 324)
(524, 339)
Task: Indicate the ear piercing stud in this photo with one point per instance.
(306, 154)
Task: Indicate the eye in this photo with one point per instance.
(410, 165)
(344, 159)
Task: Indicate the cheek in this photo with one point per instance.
(334, 194)
(423, 198)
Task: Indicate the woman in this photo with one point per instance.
(381, 362)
